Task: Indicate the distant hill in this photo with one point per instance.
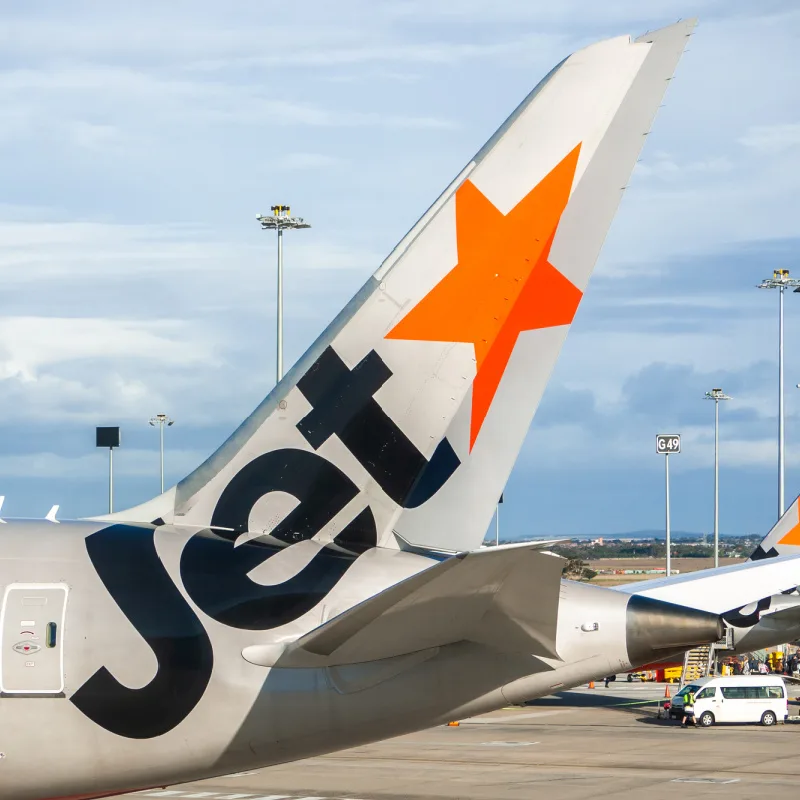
(642, 534)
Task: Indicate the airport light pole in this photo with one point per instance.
(161, 420)
(780, 280)
(280, 221)
(716, 395)
(667, 443)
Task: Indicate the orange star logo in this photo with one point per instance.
(792, 536)
(503, 283)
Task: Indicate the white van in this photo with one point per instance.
(735, 698)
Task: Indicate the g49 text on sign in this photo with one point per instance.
(667, 443)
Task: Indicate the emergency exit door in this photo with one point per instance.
(31, 638)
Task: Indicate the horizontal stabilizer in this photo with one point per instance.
(725, 588)
(501, 597)
(433, 552)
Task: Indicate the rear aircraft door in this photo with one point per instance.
(31, 638)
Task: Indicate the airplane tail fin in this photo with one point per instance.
(784, 538)
(618, 85)
(408, 411)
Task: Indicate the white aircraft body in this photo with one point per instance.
(317, 583)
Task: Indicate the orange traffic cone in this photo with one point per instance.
(453, 724)
(666, 692)
(591, 684)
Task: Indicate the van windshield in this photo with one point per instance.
(686, 689)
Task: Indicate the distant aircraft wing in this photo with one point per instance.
(506, 597)
(724, 588)
(782, 617)
(544, 544)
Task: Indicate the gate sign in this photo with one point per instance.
(667, 443)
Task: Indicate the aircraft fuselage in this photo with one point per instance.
(122, 656)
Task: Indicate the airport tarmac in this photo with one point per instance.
(578, 744)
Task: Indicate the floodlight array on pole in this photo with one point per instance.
(280, 221)
(716, 395)
(161, 420)
(780, 280)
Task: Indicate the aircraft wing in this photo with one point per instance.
(506, 597)
(719, 590)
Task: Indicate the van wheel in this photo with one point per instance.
(706, 719)
(768, 718)
(630, 678)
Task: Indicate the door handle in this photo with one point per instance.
(51, 635)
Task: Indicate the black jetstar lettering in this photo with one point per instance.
(739, 618)
(344, 405)
(126, 561)
(215, 572)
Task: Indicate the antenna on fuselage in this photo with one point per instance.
(51, 514)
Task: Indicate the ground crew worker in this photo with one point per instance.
(688, 709)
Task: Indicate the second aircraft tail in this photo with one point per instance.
(784, 537)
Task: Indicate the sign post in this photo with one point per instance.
(109, 437)
(497, 522)
(667, 443)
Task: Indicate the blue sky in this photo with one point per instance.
(138, 143)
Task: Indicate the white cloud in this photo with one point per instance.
(772, 139)
(94, 137)
(663, 166)
(36, 251)
(52, 98)
(730, 347)
(441, 52)
(625, 14)
(82, 369)
(47, 398)
(128, 463)
(30, 343)
(564, 447)
(297, 161)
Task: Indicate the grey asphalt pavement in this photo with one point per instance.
(585, 743)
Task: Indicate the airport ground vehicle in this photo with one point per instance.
(735, 698)
(655, 672)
